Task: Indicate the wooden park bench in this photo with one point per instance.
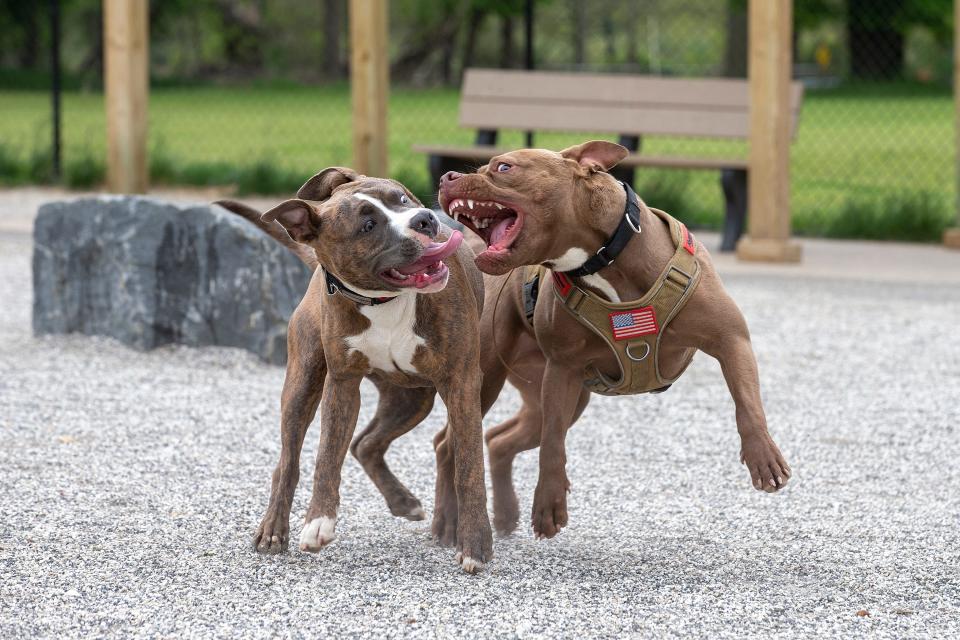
(631, 106)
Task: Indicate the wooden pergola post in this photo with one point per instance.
(951, 237)
(369, 85)
(770, 68)
(126, 84)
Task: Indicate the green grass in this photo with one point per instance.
(868, 161)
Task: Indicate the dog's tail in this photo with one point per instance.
(272, 229)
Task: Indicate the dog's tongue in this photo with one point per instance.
(500, 230)
(435, 252)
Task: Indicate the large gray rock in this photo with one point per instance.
(150, 273)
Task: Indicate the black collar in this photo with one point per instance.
(335, 285)
(628, 227)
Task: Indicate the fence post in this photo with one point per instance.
(951, 237)
(126, 80)
(369, 85)
(770, 67)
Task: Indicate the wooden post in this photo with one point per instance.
(951, 237)
(369, 85)
(770, 67)
(126, 80)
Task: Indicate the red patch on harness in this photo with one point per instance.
(633, 323)
(688, 242)
(562, 283)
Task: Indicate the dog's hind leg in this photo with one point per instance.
(302, 389)
(398, 411)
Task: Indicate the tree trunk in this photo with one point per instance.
(609, 38)
(633, 20)
(577, 7)
(332, 34)
(477, 17)
(876, 44)
(507, 53)
(735, 51)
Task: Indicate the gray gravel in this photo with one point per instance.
(132, 482)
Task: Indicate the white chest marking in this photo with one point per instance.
(599, 282)
(574, 258)
(389, 342)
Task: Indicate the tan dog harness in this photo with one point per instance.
(632, 329)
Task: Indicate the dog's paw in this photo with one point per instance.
(272, 535)
(768, 470)
(469, 564)
(407, 507)
(549, 510)
(475, 546)
(317, 534)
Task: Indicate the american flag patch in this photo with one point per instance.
(630, 324)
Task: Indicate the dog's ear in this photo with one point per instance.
(297, 217)
(320, 186)
(596, 155)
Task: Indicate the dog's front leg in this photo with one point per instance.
(338, 419)
(560, 399)
(302, 389)
(461, 394)
(769, 470)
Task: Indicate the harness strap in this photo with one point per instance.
(633, 329)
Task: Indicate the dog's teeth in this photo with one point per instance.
(498, 205)
(456, 216)
(470, 203)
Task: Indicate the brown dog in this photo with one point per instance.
(537, 207)
(364, 315)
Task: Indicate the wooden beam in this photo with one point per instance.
(770, 68)
(126, 83)
(369, 85)
(951, 237)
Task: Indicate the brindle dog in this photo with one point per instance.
(410, 324)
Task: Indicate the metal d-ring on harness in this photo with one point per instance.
(631, 329)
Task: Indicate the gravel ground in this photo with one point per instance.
(132, 484)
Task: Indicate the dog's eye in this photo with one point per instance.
(368, 226)
(404, 199)
(503, 166)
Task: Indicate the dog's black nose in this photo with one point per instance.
(426, 223)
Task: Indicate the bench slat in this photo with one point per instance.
(610, 103)
(481, 155)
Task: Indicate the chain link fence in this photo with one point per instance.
(255, 93)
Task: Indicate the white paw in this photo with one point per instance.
(417, 514)
(317, 533)
(468, 564)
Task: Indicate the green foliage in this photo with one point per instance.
(668, 191)
(907, 217)
(265, 176)
(85, 170)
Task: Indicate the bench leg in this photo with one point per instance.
(734, 183)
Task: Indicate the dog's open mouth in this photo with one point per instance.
(497, 223)
(427, 270)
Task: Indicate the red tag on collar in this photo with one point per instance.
(562, 283)
(688, 242)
